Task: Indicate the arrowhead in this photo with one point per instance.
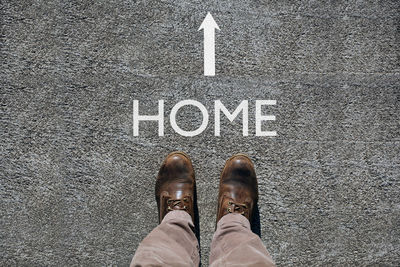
(208, 22)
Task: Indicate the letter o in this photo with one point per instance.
(175, 110)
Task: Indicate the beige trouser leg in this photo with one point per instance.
(234, 244)
(172, 243)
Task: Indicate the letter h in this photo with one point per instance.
(159, 118)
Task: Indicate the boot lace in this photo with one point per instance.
(237, 207)
(177, 204)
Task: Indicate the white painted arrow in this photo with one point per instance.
(209, 25)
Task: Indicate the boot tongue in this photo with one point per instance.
(177, 195)
(238, 194)
(178, 191)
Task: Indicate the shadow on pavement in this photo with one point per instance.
(255, 222)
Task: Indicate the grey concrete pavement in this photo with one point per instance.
(77, 188)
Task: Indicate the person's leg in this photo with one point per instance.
(173, 242)
(234, 244)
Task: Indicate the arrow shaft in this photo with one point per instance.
(209, 52)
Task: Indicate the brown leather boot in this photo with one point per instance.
(175, 185)
(238, 189)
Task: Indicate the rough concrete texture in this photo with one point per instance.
(77, 188)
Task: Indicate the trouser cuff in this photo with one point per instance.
(234, 217)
